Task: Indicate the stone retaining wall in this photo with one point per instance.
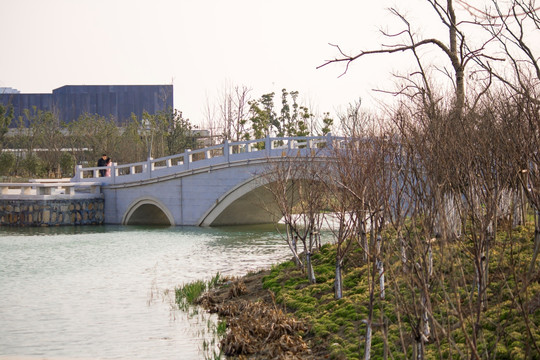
(51, 212)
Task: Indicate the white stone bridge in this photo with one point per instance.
(218, 185)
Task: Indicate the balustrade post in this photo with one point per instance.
(226, 150)
(268, 144)
(114, 172)
(78, 173)
(149, 166)
(329, 139)
(188, 158)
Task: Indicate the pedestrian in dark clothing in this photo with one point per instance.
(102, 162)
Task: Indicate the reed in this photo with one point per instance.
(186, 294)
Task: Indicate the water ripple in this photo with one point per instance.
(101, 292)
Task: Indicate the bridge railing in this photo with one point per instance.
(46, 189)
(210, 156)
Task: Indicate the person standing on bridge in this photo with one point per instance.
(109, 163)
(101, 163)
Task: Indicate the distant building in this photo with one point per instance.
(8, 90)
(70, 101)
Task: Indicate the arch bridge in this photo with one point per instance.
(217, 185)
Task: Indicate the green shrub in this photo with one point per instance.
(7, 163)
(67, 163)
(32, 166)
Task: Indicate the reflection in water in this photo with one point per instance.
(102, 291)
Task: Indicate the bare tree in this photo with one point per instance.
(296, 187)
(355, 121)
(280, 178)
(362, 172)
(516, 29)
(233, 112)
(344, 224)
(515, 25)
(455, 49)
(210, 122)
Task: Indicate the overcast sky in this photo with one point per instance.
(200, 46)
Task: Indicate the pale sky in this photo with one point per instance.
(200, 46)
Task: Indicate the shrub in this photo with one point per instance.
(7, 163)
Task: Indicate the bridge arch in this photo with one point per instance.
(250, 202)
(148, 211)
(243, 205)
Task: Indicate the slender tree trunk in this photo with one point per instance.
(386, 349)
(489, 240)
(380, 266)
(292, 240)
(403, 248)
(426, 329)
(419, 349)
(367, 350)
(430, 258)
(536, 241)
(309, 265)
(369, 322)
(338, 282)
(454, 58)
(364, 240)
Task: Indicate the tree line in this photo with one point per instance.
(46, 147)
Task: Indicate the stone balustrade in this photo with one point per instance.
(217, 155)
(41, 190)
(50, 203)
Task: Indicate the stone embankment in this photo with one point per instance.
(51, 204)
(51, 212)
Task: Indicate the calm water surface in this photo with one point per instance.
(101, 292)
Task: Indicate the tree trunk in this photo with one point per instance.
(367, 350)
(430, 259)
(380, 266)
(292, 240)
(454, 58)
(403, 247)
(338, 282)
(309, 265)
(536, 241)
(364, 240)
(419, 349)
(426, 329)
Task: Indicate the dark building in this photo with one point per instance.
(116, 101)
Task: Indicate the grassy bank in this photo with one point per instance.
(504, 325)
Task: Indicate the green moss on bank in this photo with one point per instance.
(508, 325)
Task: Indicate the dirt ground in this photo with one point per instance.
(258, 328)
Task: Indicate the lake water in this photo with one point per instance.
(100, 292)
